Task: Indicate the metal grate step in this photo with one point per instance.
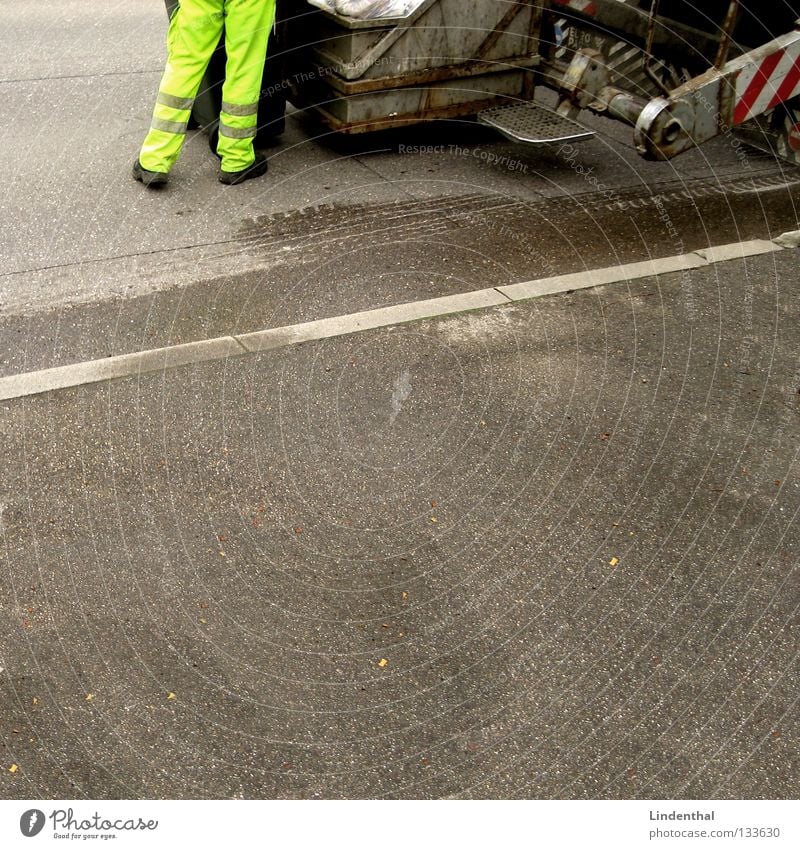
(534, 124)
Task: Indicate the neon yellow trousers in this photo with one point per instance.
(194, 32)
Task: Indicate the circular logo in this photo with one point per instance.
(31, 822)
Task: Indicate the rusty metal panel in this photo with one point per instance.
(451, 97)
(439, 33)
(432, 75)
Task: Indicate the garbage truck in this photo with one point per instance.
(679, 73)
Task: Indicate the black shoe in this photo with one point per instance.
(257, 169)
(149, 178)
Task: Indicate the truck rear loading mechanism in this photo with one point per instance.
(678, 73)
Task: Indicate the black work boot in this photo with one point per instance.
(256, 169)
(148, 178)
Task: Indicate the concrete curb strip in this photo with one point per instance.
(327, 328)
(111, 368)
(601, 276)
(223, 347)
(739, 250)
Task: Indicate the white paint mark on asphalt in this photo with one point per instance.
(476, 328)
(402, 392)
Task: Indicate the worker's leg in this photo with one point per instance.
(194, 32)
(247, 28)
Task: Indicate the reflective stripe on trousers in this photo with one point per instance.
(194, 32)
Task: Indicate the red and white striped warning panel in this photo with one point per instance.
(771, 81)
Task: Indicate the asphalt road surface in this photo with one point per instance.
(546, 549)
